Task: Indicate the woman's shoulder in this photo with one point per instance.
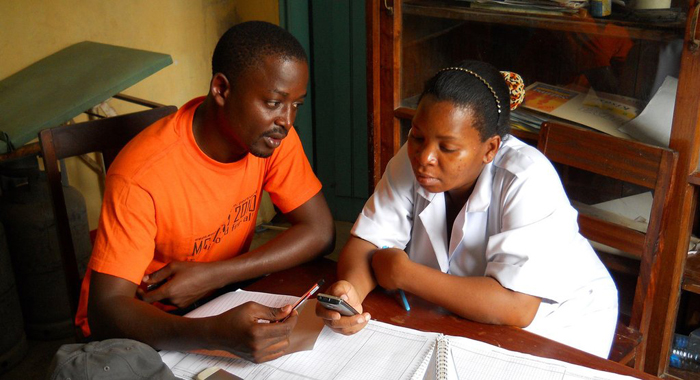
(520, 158)
(399, 167)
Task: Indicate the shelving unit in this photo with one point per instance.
(568, 23)
(409, 40)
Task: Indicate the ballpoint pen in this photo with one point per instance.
(304, 297)
(404, 300)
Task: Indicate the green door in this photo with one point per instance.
(333, 121)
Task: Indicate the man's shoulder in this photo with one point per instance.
(147, 149)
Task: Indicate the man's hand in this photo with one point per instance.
(333, 319)
(250, 331)
(181, 283)
(389, 267)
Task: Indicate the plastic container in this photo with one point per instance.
(685, 353)
(601, 8)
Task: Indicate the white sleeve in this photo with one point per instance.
(387, 217)
(538, 249)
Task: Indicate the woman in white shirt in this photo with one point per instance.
(478, 223)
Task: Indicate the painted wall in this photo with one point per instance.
(185, 29)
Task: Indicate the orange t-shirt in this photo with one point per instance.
(165, 200)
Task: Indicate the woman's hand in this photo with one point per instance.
(342, 324)
(389, 266)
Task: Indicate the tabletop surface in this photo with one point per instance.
(59, 87)
(424, 316)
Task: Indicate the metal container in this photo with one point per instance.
(13, 342)
(27, 214)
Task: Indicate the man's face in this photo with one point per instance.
(261, 107)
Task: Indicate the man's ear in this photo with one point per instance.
(492, 144)
(219, 88)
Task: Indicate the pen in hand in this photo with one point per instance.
(304, 297)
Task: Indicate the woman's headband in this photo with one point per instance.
(515, 83)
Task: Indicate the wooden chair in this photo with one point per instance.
(638, 164)
(107, 136)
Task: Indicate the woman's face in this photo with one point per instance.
(445, 149)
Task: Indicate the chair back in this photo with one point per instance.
(107, 136)
(633, 162)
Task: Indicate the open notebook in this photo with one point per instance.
(380, 351)
(461, 358)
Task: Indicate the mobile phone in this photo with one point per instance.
(336, 303)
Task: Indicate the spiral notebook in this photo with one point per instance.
(459, 358)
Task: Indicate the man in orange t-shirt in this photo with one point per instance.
(181, 201)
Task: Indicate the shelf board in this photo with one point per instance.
(691, 274)
(404, 113)
(459, 10)
(694, 179)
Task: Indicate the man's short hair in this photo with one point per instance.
(247, 44)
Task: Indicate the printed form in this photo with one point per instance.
(380, 351)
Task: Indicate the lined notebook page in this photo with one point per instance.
(476, 360)
(380, 351)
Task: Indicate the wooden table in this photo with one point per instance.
(425, 316)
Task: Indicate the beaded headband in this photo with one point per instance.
(515, 83)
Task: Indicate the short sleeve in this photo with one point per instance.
(125, 242)
(289, 178)
(538, 249)
(387, 216)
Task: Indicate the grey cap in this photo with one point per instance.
(108, 359)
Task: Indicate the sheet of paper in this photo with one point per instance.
(635, 208)
(303, 336)
(600, 111)
(230, 300)
(476, 360)
(379, 352)
(653, 125)
(594, 117)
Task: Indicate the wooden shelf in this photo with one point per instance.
(691, 274)
(459, 10)
(694, 179)
(680, 374)
(404, 113)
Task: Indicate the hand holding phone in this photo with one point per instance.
(336, 303)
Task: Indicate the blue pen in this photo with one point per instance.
(404, 300)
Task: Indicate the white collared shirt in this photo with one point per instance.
(517, 226)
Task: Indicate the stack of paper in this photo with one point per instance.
(525, 120)
(601, 111)
(547, 7)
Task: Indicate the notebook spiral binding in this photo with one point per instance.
(423, 367)
(442, 360)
